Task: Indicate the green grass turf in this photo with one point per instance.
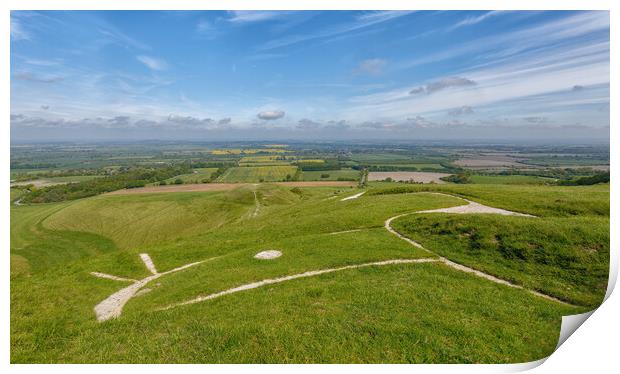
(257, 173)
(552, 201)
(564, 257)
(35, 248)
(397, 313)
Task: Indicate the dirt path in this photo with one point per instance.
(474, 208)
(206, 187)
(266, 282)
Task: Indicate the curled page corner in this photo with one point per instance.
(570, 324)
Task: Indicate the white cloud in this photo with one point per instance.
(270, 115)
(152, 62)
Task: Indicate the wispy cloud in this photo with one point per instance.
(477, 19)
(505, 45)
(28, 76)
(361, 21)
(545, 72)
(250, 16)
(466, 109)
(371, 66)
(152, 62)
(38, 62)
(442, 84)
(115, 36)
(204, 26)
(17, 30)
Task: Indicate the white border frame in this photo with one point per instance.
(592, 347)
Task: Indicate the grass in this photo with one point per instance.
(132, 221)
(422, 313)
(563, 257)
(257, 174)
(332, 175)
(16, 193)
(510, 179)
(35, 248)
(537, 200)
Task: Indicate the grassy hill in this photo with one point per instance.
(422, 312)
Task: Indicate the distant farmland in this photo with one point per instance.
(258, 174)
(331, 175)
(198, 176)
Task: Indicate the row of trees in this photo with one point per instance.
(130, 177)
(586, 181)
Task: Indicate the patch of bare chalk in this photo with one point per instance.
(473, 207)
(268, 255)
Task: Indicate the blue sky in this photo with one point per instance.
(210, 75)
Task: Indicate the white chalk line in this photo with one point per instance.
(353, 196)
(112, 306)
(343, 232)
(256, 205)
(148, 262)
(312, 273)
(112, 277)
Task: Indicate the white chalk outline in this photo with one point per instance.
(112, 306)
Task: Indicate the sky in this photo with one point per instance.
(315, 75)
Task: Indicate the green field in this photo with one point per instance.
(332, 175)
(408, 313)
(199, 175)
(71, 179)
(510, 179)
(61, 180)
(256, 174)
